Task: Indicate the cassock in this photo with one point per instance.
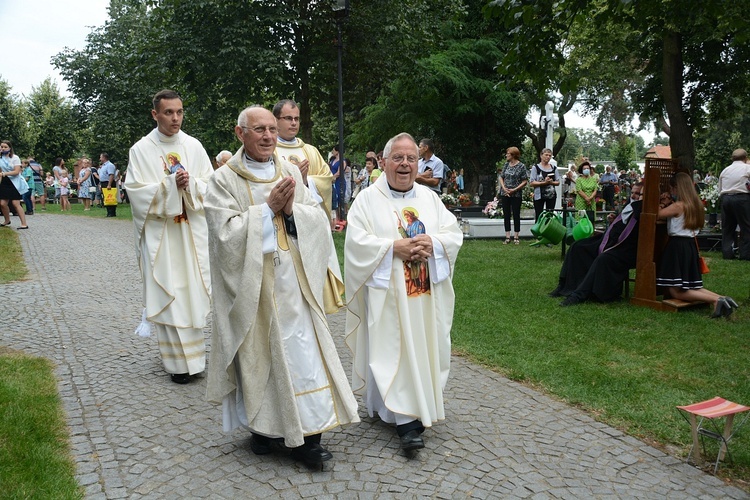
(400, 313)
(172, 245)
(599, 265)
(273, 364)
(318, 170)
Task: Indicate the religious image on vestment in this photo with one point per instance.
(416, 273)
(175, 164)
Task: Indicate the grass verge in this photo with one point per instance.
(35, 459)
(12, 265)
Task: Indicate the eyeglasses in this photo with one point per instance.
(400, 158)
(290, 119)
(260, 130)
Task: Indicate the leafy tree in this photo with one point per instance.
(452, 97)
(55, 124)
(224, 55)
(727, 129)
(14, 124)
(688, 54)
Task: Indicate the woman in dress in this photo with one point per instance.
(586, 186)
(84, 183)
(679, 271)
(513, 179)
(12, 184)
(544, 177)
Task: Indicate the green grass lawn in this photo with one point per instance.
(35, 460)
(123, 211)
(627, 366)
(12, 265)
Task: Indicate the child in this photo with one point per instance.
(64, 190)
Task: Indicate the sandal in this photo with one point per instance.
(516, 241)
(507, 240)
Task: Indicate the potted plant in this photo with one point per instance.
(449, 199)
(465, 200)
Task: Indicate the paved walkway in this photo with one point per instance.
(135, 434)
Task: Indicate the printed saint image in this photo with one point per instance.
(416, 273)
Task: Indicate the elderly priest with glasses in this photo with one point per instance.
(273, 363)
(400, 254)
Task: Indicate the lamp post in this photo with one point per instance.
(341, 13)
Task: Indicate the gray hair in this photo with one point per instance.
(242, 119)
(402, 135)
(221, 155)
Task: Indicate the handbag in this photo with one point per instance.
(110, 196)
(92, 189)
(701, 261)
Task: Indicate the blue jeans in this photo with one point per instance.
(28, 200)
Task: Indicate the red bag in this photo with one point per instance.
(701, 261)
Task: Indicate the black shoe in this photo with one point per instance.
(180, 378)
(311, 453)
(725, 306)
(28, 213)
(571, 300)
(260, 445)
(730, 302)
(412, 441)
(556, 292)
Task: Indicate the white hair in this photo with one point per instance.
(389, 144)
(222, 154)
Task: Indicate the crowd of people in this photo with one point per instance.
(251, 240)
(27, 187)
(248, 238)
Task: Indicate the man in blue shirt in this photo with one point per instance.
(608, 181)
(107, 173)
(431, 171)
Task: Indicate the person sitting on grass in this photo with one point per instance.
(597, 267)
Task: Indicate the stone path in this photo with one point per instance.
(135, 434)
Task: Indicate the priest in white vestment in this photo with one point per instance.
(166, 180)
(401, 248)
(273, 364)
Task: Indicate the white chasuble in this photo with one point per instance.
(399, 331)
(273, 363)
(172, 243)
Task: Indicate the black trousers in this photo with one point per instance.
(540, 205)
(735, 210)
(512, 206)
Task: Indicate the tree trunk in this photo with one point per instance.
(681, 133)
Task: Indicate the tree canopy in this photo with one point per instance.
(674, 57)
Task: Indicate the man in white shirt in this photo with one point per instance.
(734, 189)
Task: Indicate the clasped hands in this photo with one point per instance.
(182, 178)
(418, 248)
(282, 196)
